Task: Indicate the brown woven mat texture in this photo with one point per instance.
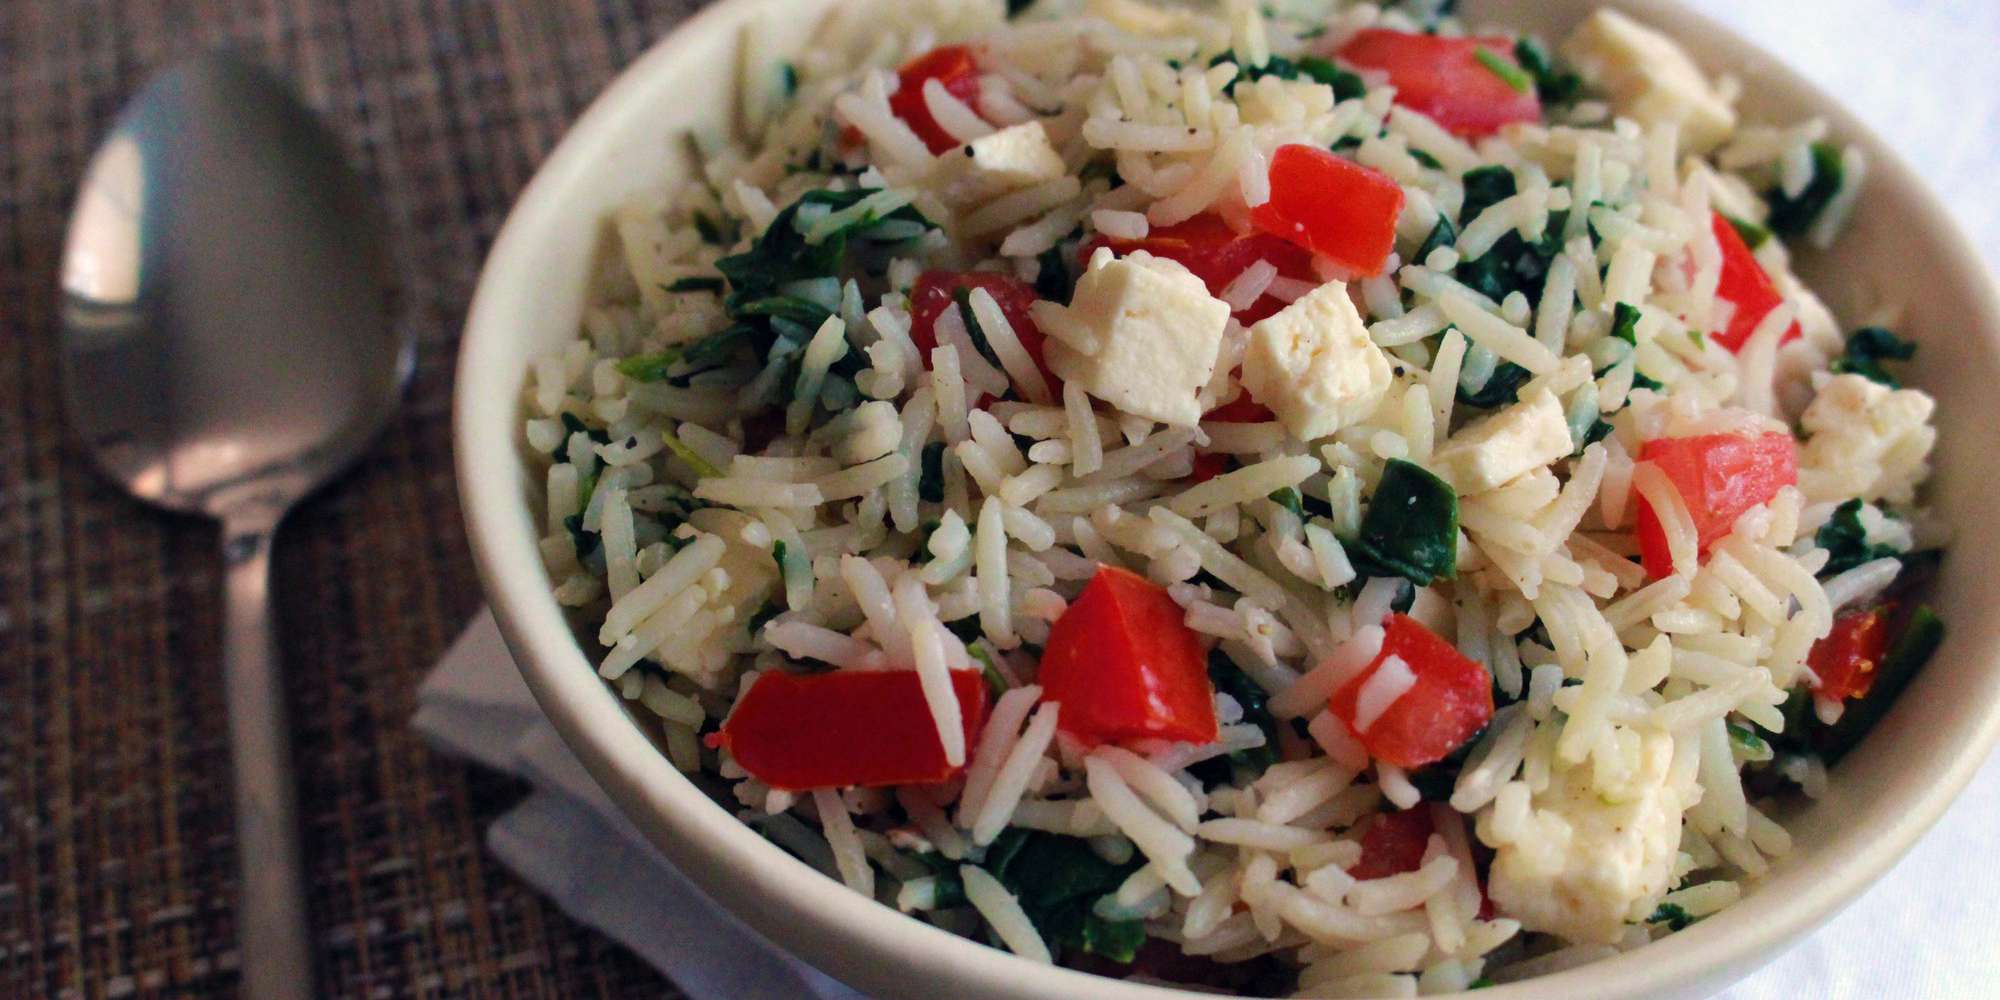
(117, 864)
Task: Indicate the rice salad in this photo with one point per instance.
(1300, 498)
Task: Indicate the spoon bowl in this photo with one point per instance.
(225, 349)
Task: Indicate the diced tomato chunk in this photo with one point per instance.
(936, 291)
(1332, 206)
(952, 66)
(1394, 844)
(1217, 254)
(1444, 79)
(1719, 476)
(1844, 661)
(1450, 701)
(850, 727)
(1746, 287)
(1207, 466)
(1241, 410)
(1125, 666)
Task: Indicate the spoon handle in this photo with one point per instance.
(276, 959)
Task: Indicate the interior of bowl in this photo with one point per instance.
(1901, 247)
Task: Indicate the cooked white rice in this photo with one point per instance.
(874, 487)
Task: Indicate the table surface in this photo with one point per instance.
(117, 860)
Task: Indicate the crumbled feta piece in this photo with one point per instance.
(1008, 160)
(1589, 854)
(1866, 440)
(1650, 79)
(1521, 438)
(1314, 365)
(1156, 333)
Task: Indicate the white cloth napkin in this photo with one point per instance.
(569, 841)
(1920, 71)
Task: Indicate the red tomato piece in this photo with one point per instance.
(1451, 701)
(1844, 662)
(935, 291)
(1745, 285)
(1217, 254)
(1719, 476)
(1207, 466)
(1334, 207)
(851, 727)
(1444, 79)
(1241, 410)
(950, 65)
(1394, 844)
(1124, 665)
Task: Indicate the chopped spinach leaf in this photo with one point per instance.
(1625, 323)
(1553, 85)
(1599, 430)
(766, 281)
(1053, 280)
(585, 541)
(1230, 679)
(696, 284)
(1509, 74)
(1346, 85)
(1486, 187)
(1501, 389)
(1427, 160)
(769, 610)
(1057, 880)
(1846, 541)
(1793, 216)
(648, 367)
(701, 466)
(715, 230)
(994, 682)
(1016, 7)
(788, 80)
(966, 629)
(1290, 499)
(1868, 348)
(1754, 235)
(1411, 528)
(1435, 781)
(1673, 916)
(1444, 234)
(963, 298)
(930, 477)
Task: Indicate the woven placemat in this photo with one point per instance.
(117, 862)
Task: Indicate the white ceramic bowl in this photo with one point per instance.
(1903, 243)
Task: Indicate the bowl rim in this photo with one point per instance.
(817, 917)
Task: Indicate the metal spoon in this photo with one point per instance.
(225, 350)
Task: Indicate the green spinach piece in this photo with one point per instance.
(1230, 679)
(1793, 216)
(1846, 541)
(1501, 389)
(1754, 235)
(930, 476)
(1057, 880)
(1053, 280)
(1671, 915)
(1868, 348)
(1411, 528)
(1625, 323)
(1290, 499)
(1552, 84)
(1346, 85)
(696, 284)
(1510, 74)
(1444, 234)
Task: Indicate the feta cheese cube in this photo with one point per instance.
(1650, 79)
(1154, 331)
(1013, 158)
(1490, 453)
(1867, 440)
(1589, 854)
(1314, 365)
